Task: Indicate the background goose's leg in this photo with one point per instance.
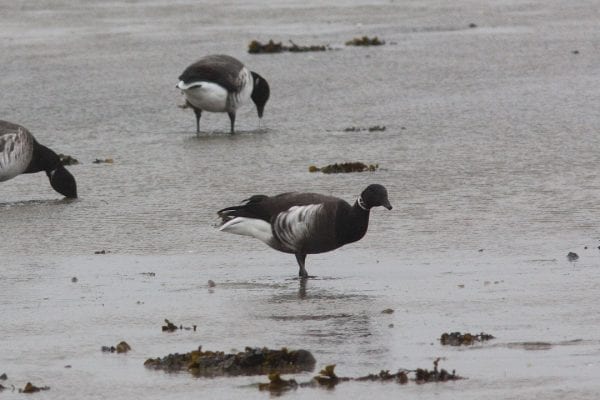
(301, 258)
(198, 113)
(232, 119)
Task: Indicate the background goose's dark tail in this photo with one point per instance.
(248, 209)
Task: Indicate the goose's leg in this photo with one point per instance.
(232, 119)
(301, 258)
(198, 113)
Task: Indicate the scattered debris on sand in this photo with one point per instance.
(327, 378)
(151, 274)
(572, 256)
(472, 25)
(374, 128)
(101, 252)
(122, 347)
(103, 161)
(67, 160)
(2, 387)
(344, 168)
(31, 388)
(365, 41)
(252, 361)
(256, 47)
(467, 339)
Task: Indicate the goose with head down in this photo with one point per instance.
(20, 153)
(221, 83)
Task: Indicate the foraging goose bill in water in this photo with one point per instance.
(63, 182)
(304, 223)
(20, 153)
(220, 83)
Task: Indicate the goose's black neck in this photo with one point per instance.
(42, 159)
(354, 224)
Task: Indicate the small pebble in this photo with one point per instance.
(211, 283)
(572, 256)
(3, 377)
(74, 279)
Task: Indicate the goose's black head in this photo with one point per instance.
(374, 196)
(63, 182)
(260, 93)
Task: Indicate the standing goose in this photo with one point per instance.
(220, 83)
(304, 223)
(20, 153)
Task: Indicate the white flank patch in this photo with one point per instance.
(246, 87)
(15, 162)
(206, 96)
(293, 226)
(256, 228)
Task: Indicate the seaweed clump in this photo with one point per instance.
(169, 327)
(374, 128)
(252, 361)
(365, 41)
(400, 377)
(344, 168)
(103, 161)
(278, 385)
(122, 347)
(426, 376)
(467, 339)
(327, 378)
(67, 160)
(256, 47)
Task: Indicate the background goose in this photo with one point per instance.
(304, 223)
(20, 153)
(220, 83)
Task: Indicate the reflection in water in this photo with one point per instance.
(302, 288)
(27, 203)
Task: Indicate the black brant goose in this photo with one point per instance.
(220, 83)
(20, 153)
(304, 223)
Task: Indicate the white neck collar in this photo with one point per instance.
(361, 203)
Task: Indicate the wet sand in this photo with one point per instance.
(490, 144)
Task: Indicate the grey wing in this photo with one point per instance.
(220, 69)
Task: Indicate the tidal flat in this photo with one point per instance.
(489, 155)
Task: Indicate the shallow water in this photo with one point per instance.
(490, 144)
